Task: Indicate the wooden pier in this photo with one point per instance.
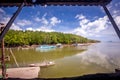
(23, 73)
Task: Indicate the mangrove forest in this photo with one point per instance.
(20, 38)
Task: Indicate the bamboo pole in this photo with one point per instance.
(14, 58)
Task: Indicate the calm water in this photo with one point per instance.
(72, 61)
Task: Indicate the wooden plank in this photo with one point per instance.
(24, 73)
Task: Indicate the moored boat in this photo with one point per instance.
(44, 64)
(44, 48)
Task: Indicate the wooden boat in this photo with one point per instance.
(59, 45)
(45, 48)
(44, 64)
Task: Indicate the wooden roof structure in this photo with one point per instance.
(21, 3)
(11, 3)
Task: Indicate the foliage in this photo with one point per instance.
(20, 38)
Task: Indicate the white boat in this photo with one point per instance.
(44, 64)
(59, 45)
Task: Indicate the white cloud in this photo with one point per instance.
(80, 16)
(37, 19)
(23, 22)
(2, 11)
(54, 21)
(30, 29)
(117, 20)
(115, 11)
(42, 28)
(15, 27)
(46, 24)
(44, 21)
(89, 28)
(4, 18)
(45, 29)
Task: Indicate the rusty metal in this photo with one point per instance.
(112, 21)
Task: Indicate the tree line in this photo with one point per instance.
(20, 38)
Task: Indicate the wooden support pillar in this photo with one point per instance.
(3, 57)
(112, 20)
(2, 34)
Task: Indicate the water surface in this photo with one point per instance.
(71, 61)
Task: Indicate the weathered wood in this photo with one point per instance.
(12, 3)
(14, 58)
(23, 72)
(3, 57)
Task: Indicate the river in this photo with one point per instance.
(71, 61)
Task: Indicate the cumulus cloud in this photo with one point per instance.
(4, 18)
(42, 20)
(49, 22)
(30, 29)
(117, 19)
(54, 21)
(15, 27)
(46, 24)
(100, 27)
(45, 29)
(24, 22)
(37, 19)
(42, 28)
(115, 11)
(89, 28)
(80, 16)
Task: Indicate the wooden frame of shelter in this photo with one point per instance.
(21, 3)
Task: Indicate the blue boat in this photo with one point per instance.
(45, 48)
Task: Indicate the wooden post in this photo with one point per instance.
(14, 58)
(3, 57)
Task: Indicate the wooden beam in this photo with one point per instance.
(11, 3)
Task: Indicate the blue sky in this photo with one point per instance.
(87, 21)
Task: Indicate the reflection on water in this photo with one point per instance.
(105, 55)
(99, 58)
(72, 61)
(27, 56)
(95, 57)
